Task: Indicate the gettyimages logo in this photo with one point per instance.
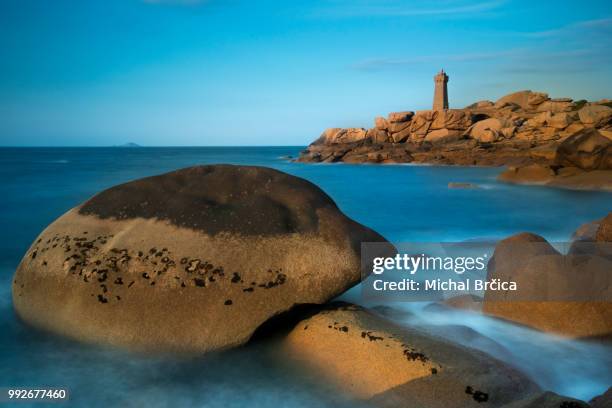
(525, 271)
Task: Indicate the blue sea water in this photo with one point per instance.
(403, 202)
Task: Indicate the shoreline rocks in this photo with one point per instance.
(189, 261)
(581, 161)
(521, 129)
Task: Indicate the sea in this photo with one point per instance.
(405, 203)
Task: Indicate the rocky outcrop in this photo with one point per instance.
(581, 161)
(587, 150)
(515, 131)
(564, 294)
(191, 261)
(387, 365)
(571, 178)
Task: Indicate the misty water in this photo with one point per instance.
(404, 203)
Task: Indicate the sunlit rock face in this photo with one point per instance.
(388, 365)
(193, 260)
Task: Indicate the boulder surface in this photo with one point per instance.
(190, 261)
(391, 366)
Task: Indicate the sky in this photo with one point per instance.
(243, 72)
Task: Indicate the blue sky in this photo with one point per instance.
(243, 72)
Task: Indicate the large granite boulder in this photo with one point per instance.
(487, 130)
(564, 294)
(524, 99)
(587, 150)
(390, 366)
(193, 260)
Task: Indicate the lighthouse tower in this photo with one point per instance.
(440, 101)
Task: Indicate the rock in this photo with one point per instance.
(540, 119)
(587, 150)
(462, 185)
(555, 106)
(381, 123)
(547, 400)
(508, 132)
(606, 132)
(395, 127)
(189, 261)
(351, 135)
(378, 135)
(548, 296)
(586, 232)
(593, 238)
(520, 98)
(571, 130)
(400, 116)
(327, 137)
(441, 136)
(453, 119)
(401, 136)
(465, 302)
(602, 401)
(604, 230)
(338, 136)
(536, 98)
(420, 124)
(544, 152)
(387, 365)
(487, 130)
(546, 134)
(533, 173)
(595, 115)
(559, 120)
(483, 104)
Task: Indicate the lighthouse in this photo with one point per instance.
(440, 101)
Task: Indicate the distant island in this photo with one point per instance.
(130, 144)
(555, 141)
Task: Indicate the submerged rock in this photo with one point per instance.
(375, 360)
(193, 260)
